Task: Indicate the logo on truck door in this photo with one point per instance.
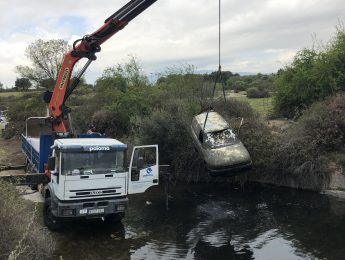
(149, 172)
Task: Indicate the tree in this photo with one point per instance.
(313, 75)
(22, 83)
(226, 75)
(1, 86)
(122, 77)
(46, 58)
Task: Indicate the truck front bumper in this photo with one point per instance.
(89, 208)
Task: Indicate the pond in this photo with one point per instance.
(215, 222)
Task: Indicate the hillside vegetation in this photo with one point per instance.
(124, 104)
(314, 74)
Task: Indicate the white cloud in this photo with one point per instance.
(257, 36)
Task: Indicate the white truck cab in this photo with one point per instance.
(90, 178)
(87, 176)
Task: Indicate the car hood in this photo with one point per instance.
(227, 155)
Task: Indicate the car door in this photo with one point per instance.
(143, 168)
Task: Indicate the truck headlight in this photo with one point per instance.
(121, 207)
(67, 212)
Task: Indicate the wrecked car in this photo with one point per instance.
(218, 145)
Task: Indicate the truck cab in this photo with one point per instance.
(90, 177)
(86, 177)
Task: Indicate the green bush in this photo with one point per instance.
(112, 124)
(22, 235)
(21, 108)
(324, 124)
(312, 76)
(254, 92)
(300, 156)
(299, 164)
(169, 128)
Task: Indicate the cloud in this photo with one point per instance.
(257, 36)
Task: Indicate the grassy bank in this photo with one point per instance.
(303, 156)
(263, 106)
(22, 234)
(8, 94)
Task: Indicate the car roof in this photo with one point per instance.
(215, 122)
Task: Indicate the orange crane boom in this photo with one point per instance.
(86, 47)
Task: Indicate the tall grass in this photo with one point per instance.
(22, 234)
(264, 106)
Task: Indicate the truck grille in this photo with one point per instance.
(96, 192)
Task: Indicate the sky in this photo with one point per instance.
(257, 35)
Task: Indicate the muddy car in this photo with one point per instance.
(218, 145)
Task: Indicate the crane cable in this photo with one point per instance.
(219, 78)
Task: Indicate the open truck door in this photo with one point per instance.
(143, 168)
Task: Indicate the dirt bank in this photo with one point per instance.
(10, 154)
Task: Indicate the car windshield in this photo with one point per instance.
(87, 163)
(221, 138)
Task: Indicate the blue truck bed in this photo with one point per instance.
(37, 150)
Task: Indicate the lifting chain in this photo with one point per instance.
(219, 77)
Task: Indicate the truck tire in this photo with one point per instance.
(27, 166)
(33, 186)
(52, 222)
(114, 218)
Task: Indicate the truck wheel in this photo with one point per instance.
(113, 218)
(52, 222)
(33, 186)
(27, 166)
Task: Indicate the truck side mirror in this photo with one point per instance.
(140, 162)
(51, 163)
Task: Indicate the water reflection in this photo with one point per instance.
(212, 222)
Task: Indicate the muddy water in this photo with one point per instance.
(213, 222)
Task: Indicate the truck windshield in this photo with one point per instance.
(88, 163)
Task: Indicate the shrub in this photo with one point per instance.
(22, 236)
(323, 126)
(110, 123)
(300, 157)
(312, 76)
(297, 163)
(169, 128)
(233, 108)
(254, 92)
(21, 108)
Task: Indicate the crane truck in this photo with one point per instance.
(85, 175)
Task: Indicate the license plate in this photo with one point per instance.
(95, 211)
(83, 211)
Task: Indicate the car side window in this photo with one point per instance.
(201, 137)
